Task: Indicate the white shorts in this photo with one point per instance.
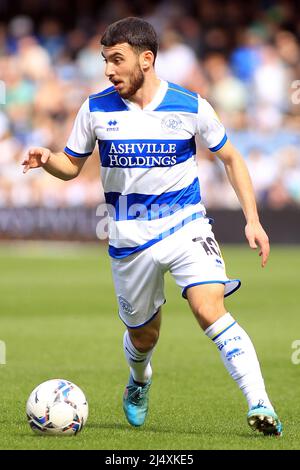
(191, 255)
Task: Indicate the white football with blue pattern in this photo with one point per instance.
(57, 406)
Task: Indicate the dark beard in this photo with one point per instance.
(135, 84)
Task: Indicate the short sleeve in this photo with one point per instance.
(81, 142)
(210, 128)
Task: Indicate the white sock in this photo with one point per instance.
(139, 362)
(239, 357)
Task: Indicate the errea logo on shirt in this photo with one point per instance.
(112, 125)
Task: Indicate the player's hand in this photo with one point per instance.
(35, 158)
(256, 236)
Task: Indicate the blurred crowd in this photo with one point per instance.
(244, 59)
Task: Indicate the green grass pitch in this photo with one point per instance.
(58, 319)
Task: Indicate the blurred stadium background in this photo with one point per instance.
(243, 57)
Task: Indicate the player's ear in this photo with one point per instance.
(147, 60)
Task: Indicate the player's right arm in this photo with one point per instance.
(59, 164)
(66, 165)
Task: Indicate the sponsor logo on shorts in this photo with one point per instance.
(125, 306)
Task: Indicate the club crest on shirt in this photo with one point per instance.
(171, 123)
(125, 306)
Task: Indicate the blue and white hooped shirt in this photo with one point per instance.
(148, 168)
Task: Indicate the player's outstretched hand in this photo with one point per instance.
(35, 158)
(256, 236)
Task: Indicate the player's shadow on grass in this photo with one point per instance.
(168, 430)
(252, 435)
(148, 428)
(114, 426)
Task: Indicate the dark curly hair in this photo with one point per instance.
(136, 32)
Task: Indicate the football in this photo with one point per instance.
(57, 406)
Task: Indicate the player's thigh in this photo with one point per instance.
(197, 259)
(139, 285)
(206, 302)
(199, 269)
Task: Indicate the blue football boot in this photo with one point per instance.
(135, 402)
(265, 420)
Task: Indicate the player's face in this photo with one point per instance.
(123, 69)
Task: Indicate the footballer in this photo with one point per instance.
(145, 129)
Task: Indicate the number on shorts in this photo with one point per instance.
(209, 245)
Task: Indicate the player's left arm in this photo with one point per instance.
(240, 180)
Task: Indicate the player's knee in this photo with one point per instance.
(144, 341)
(208, 312)
(207, 303)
